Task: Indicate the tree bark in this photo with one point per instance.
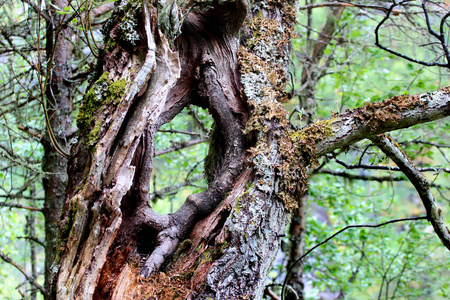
(59, 105)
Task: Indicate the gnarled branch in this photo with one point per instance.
(420, 183)
(380, 117)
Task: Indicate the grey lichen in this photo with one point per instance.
(123, 25)
(169, 18)
(255, 89)
(128, 29)
(265, 168)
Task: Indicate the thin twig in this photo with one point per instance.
(361, 177)
(389, 168)
(425, 143)
(16, 205)
(377, 42)
(30, 278)
(180, 145)
(181, 132)
(344, 4)
(34, 239)
(168, 189)
(371, 178)
(339, 232)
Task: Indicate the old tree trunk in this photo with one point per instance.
(231, 57)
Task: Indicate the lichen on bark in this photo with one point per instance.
(264, 63)
(104, 94)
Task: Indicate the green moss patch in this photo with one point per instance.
(103, 94)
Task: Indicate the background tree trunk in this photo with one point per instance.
(60, 110)
(308, 106)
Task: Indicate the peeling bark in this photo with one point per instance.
(107, 203)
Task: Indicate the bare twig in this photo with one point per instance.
(15, 196)
(30, 278)
(371, 178)
(389, 168)
(30, 132)
(197, 120)
(8, 154)
(34, 239)
(181, 132)
(172, 188)
(180, 145)
(425, 143)
(361, 177)
(345, 4)
(439, 37)
(16, 205)
(38, 10)
(339, 232)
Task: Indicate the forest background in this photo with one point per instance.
(335, 66)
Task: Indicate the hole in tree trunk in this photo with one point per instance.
(146, 239)
(224, 214)
(178, 167)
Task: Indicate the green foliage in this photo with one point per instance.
(405, 259)
(180, 166)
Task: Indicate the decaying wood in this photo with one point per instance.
(109, 207)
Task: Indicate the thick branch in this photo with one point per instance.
(420, 183)
(388, 115)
